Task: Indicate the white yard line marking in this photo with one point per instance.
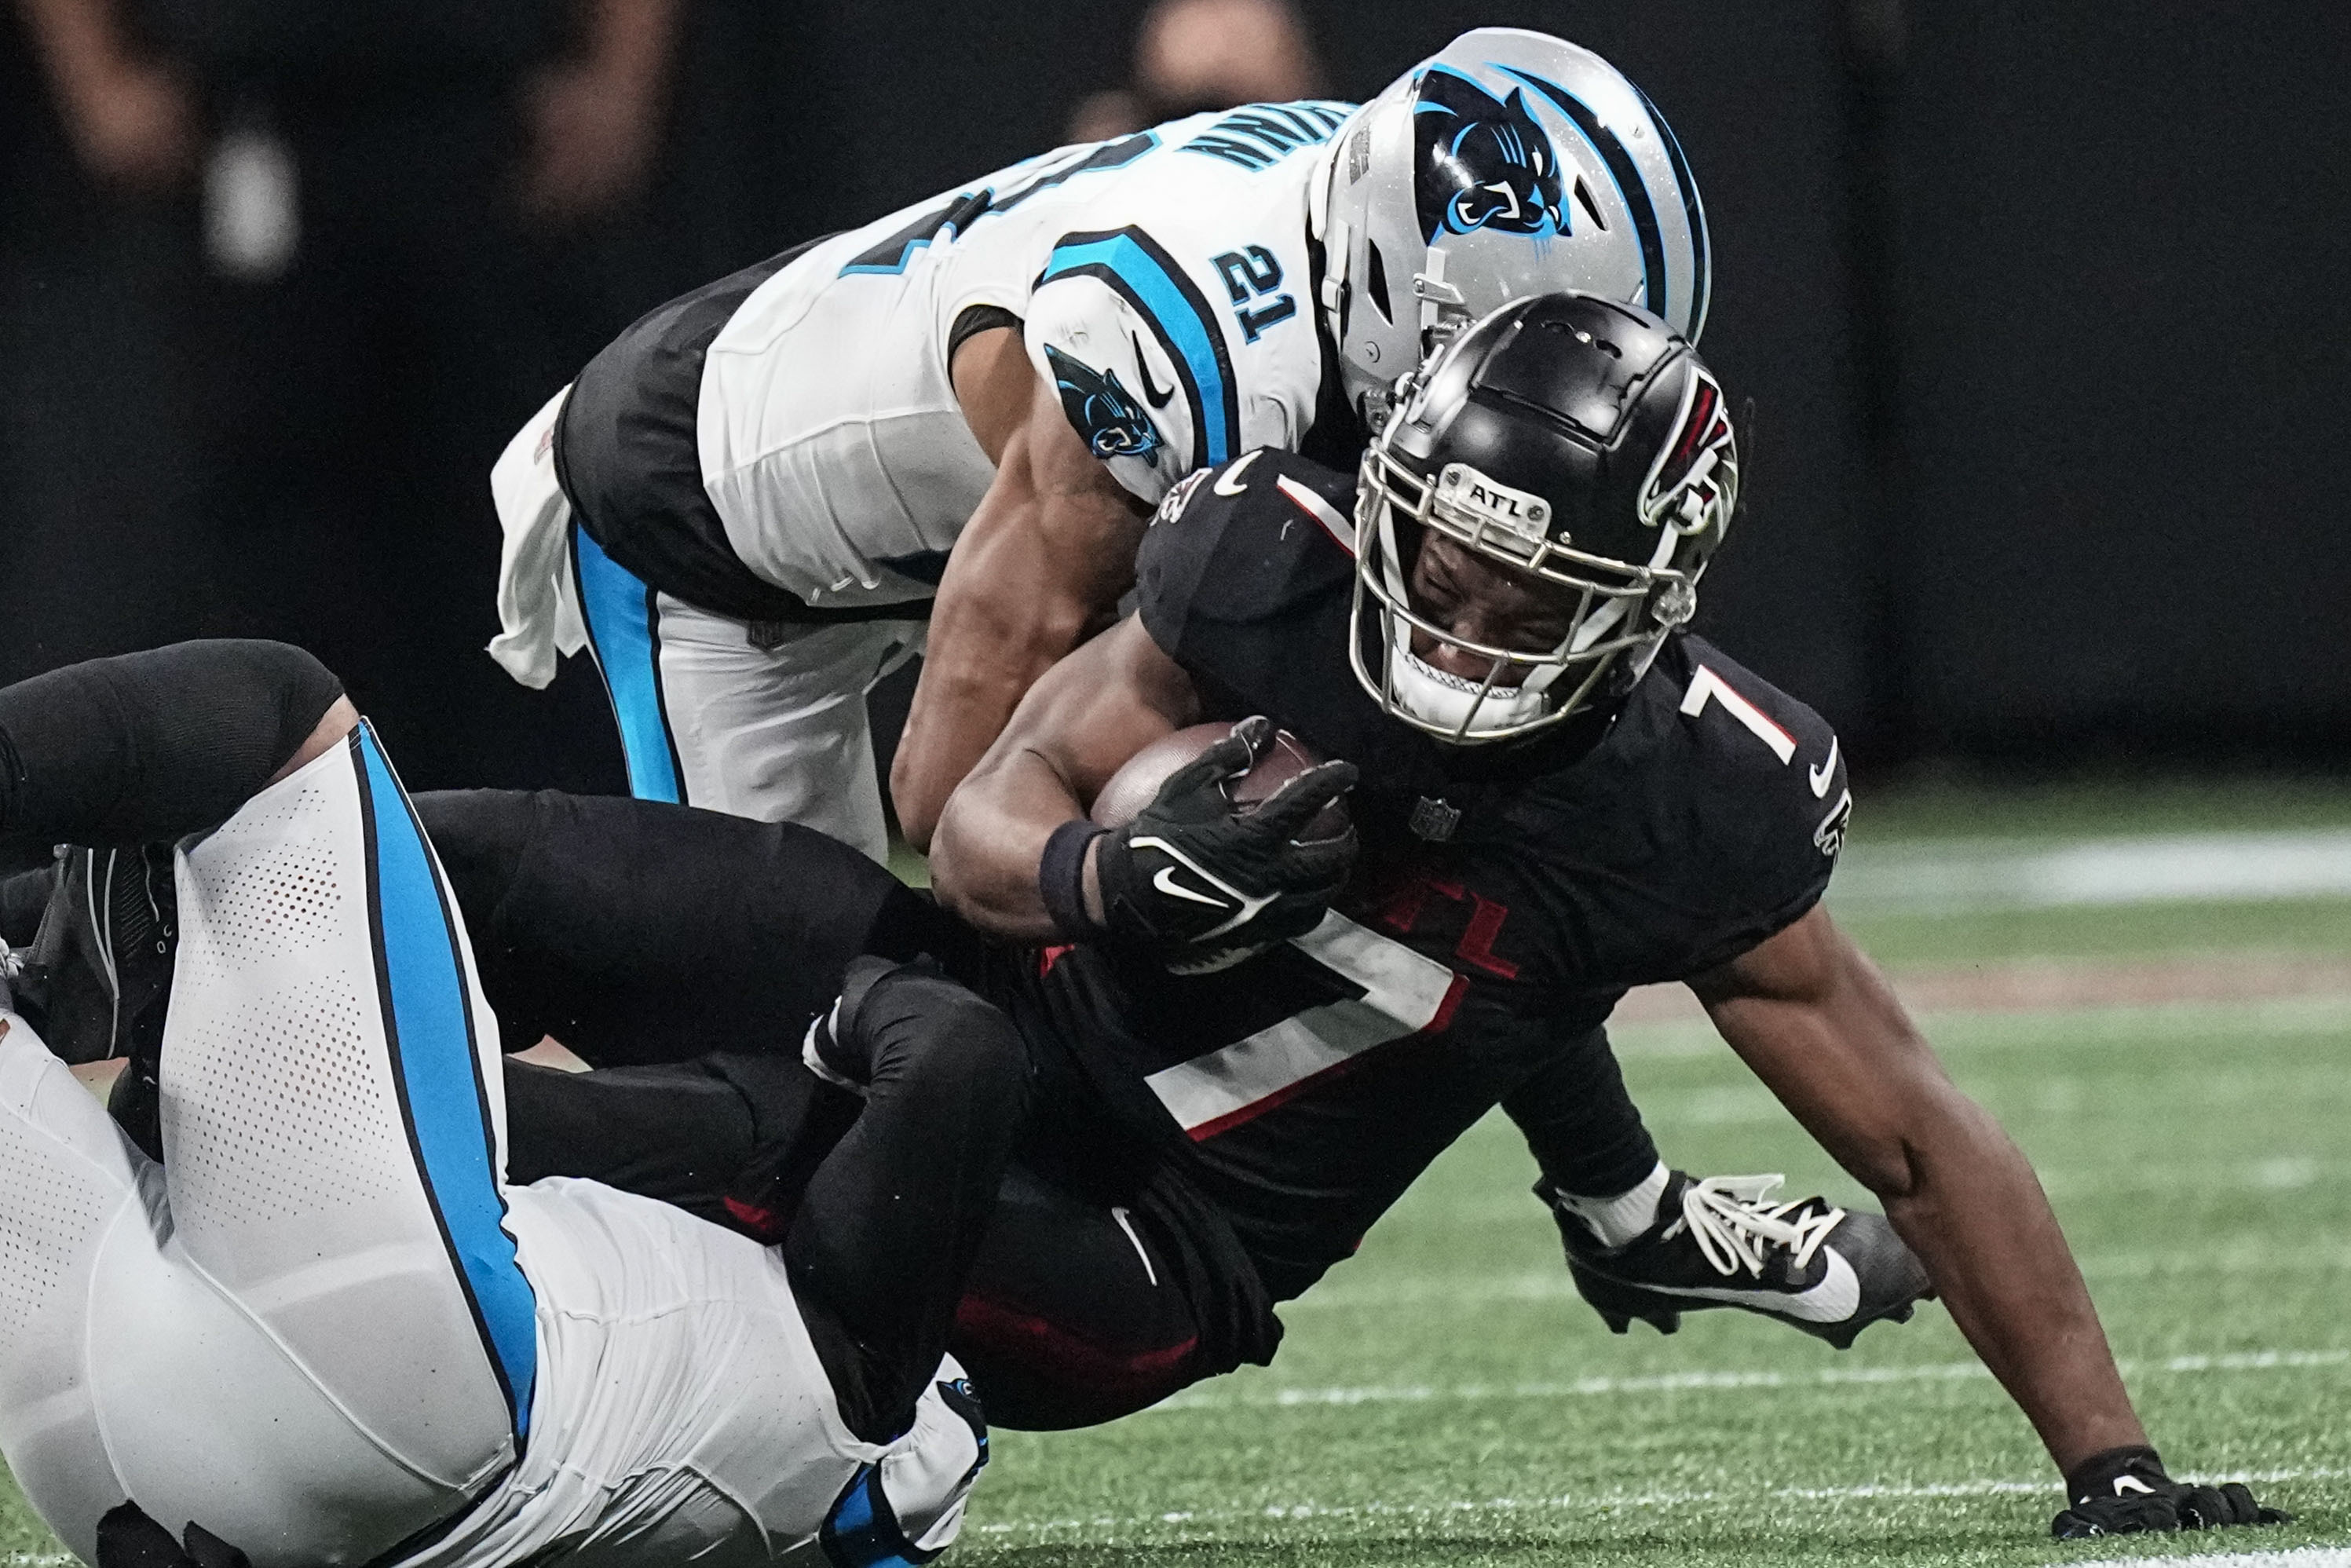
(2061, 984)
(2304, 1557)
(1591, 1501)
(1555, 1285)
(2006, 873)
(2038, 1029)
(1681, 1382)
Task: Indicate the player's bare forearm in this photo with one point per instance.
(1977, 1216)
(1819, 1026)
(991, 839)
(986, 647)
(1076, 727)
(1038, 568)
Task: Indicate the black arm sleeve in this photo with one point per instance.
(1583, 1128)
(151, 746)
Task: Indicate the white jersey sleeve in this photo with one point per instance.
(1142, 404)
(1185, 335)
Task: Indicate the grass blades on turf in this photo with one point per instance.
(1444, 1397)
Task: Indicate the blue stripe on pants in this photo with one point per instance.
(429, 1023)
(624, 632)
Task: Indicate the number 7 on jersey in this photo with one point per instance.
(1705, 686)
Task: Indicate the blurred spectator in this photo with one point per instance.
(595, 120)
(1195, 55)
(130, 116)
(393, 199)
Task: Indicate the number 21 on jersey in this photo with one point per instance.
(1253, 275)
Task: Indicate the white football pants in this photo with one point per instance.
(776, 731)
(773, 730)
(308, 1332)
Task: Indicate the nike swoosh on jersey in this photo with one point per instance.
(1166, 883)
(1151, 394)
(1830, 1301)
(1825, 771)
(1229, 482)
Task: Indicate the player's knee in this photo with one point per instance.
(916, 1010)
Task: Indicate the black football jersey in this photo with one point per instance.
(1507, 896)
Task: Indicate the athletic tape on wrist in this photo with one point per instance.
(1062, 879)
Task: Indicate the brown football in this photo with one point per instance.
(1136, 784)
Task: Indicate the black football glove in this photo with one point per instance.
(1201, 883)
(2124, 1490)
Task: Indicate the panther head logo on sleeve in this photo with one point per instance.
(1484, 163)
(1102, 410)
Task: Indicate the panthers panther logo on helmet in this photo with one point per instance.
(1454, 190)
(1482, 162)
(1102, 410)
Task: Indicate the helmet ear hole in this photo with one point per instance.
(1376, 284)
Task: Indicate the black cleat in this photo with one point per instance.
(99, 970)
(1721, 1242)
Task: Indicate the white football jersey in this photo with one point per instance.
(1164, 287)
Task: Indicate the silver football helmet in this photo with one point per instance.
(1508, 164)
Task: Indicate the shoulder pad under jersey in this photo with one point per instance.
(1260, 539)
(1719, 814)
(1246, 579)
(1181, 332)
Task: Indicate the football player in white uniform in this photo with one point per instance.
(954, 421)
(322, 1329)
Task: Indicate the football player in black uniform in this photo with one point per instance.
(1560, 794)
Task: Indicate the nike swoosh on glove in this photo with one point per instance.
(1204, 884)
(2121, 1491)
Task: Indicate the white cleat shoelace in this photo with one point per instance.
(1736, 1226)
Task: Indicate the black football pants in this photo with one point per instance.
(683, 955)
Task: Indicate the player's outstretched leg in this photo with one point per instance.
(1721, 1241)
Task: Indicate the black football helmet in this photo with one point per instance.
(1568, 437)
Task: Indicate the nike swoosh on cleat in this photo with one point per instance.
(1832, 1301)
(1825, 771)
(1166, 883)
(1228, 482)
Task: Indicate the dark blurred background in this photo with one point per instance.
(2042, 308)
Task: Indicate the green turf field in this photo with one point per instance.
(1444, 1398)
